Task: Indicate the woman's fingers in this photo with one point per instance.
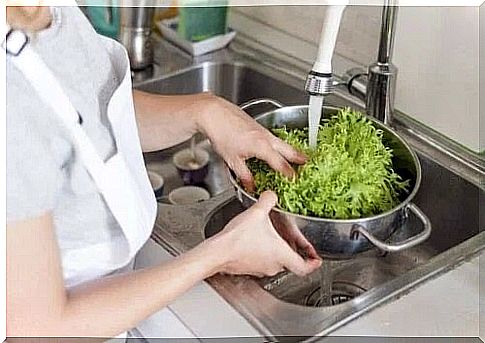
(296, 264)
(278, 154)
(311, 252)
(303, 244)
(275, 161)
(288, 152)
(244, 175)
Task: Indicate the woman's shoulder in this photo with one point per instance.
(35, 151)
(29, 125)
(71, 47)
(79, 59)
(75, 17)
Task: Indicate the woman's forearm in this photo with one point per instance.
(115, 304)
(166, 120)
(38, 304)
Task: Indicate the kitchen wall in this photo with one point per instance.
(436, 51)
(295, 30)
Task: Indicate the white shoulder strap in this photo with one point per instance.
(19, 51)
(44, 82)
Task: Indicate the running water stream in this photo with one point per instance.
(315, 110)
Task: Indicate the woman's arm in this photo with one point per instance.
(164, 121)
(39, 305)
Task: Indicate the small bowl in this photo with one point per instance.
(188, 195)
(157, 182)
(192, 172)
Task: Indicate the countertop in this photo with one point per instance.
(450, 305)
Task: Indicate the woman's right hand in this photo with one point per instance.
(249, 244)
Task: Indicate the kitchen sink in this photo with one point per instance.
(451, 203)
(235, 82)
(349, 278)
(285, 304)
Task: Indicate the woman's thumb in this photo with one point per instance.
(267, 200)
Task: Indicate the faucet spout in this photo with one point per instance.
(320, 81)
(388, 28)
(382, 74)
(377, 87)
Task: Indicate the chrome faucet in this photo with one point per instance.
(376, 86)
(379, 84)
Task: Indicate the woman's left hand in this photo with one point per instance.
(289, 231)
(236, 137)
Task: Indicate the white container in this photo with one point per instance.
(188, 195)
(168, 28)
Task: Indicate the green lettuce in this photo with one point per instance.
(349, 174)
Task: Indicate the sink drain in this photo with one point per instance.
(341, 292)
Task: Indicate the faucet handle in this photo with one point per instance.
(355, 80)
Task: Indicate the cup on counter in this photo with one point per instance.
(188, 195)
(157, 182)
(192, 170)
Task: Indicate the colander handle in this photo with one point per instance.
(255, 102)
(407, 243)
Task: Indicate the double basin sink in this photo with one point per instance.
(286, 304)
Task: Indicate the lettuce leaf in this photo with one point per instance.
(349, 174)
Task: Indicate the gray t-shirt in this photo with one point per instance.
(43, 172)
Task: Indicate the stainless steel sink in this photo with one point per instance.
(449, 201)
(349, 278)
(235, 82)
(451, 194)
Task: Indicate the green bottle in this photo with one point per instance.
(202, 19)
(105, 19)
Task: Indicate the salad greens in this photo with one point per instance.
(348, 175)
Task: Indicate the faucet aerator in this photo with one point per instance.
(319, 84)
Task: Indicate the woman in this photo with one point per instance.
(79, 204)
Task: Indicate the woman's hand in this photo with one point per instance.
(166, 120)
(249, 244)
(236, 137)
(290, 232)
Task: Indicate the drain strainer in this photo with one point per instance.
(341, 292)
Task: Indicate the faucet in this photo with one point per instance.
(376, 86)
(320, 79)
